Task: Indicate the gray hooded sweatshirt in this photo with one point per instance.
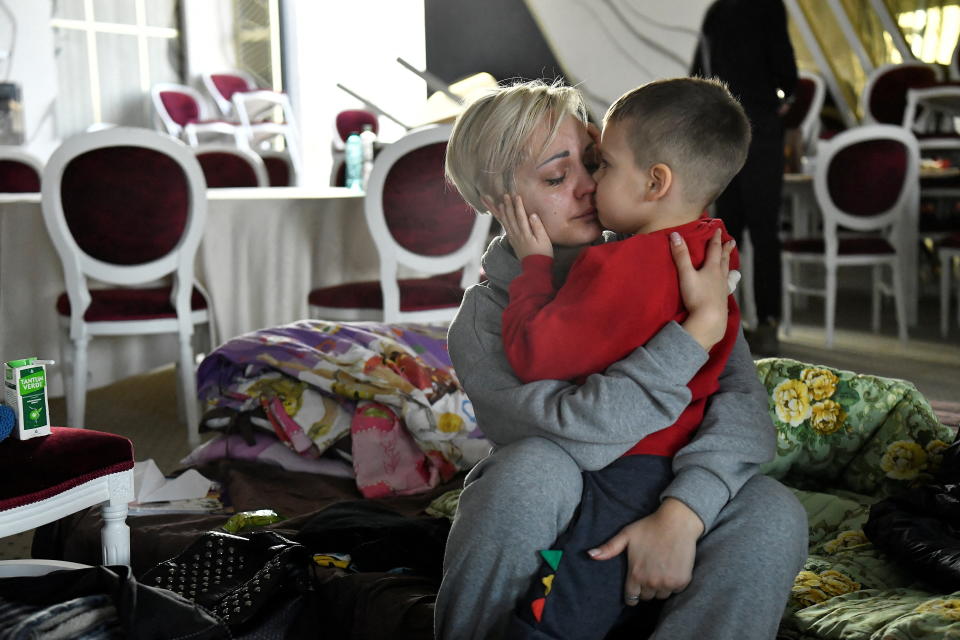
(598, 421)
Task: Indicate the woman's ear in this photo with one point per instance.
(659, 180)
(594, 132)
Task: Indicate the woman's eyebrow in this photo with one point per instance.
(562, 154)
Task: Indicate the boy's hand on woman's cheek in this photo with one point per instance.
(526, 233)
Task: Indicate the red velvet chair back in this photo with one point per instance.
(18, 177)
(278, 171)
(228, 84)
(222, 169)
(867, 178)
(352, 121)
(803, 98)
(423, 213)
(888, 95)
(125, 205)
(181, 107)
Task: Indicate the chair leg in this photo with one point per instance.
(188, 390)
(115, 534)
(946, 263)
(830, 308)
(66, 375)
(786, 313)
(77, 395)
(875, 298)
(900, 301)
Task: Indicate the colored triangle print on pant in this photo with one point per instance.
(552, 556)
(537, 606)
(548, 583)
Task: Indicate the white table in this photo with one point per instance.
(262, 252)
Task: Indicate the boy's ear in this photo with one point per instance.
(659, 180)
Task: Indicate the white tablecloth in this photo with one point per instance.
(262, 252)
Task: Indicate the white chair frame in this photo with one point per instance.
(891, 223)
(923, 122)
(810, 126)
(191, 132)
(113, 491)
(947, 256)
(251, 105)
(78, 266)
(225, 105)
(393, 256)
(879, 72)
(254, 160)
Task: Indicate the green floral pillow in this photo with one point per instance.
(841, 430)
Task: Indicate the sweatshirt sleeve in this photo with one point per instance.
(596, 318)
(595, 422)
(734, 439)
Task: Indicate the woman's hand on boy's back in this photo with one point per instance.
(705, 290)
(525, 233)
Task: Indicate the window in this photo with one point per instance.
(109, 53)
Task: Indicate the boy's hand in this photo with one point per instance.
(525, 233)
(660, 552)
(704, 291)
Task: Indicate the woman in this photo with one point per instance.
(725, 544)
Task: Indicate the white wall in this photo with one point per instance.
(612, 47)
(34, 68)
(355, 44)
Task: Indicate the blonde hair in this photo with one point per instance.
(693, 125)
(491, 137)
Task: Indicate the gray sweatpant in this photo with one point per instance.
(520, 498)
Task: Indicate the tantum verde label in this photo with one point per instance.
(32, 383)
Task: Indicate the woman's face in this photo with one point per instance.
(558, 186)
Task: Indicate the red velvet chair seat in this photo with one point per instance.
(953, 242)
(42, 467)
(845, 246)
(129, 304)
(417, 294)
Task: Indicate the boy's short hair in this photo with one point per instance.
(693, 125)
(491, 136)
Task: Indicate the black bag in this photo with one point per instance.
(242, 580)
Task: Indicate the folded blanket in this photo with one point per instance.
(317, 381)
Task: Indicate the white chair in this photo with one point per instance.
(949, 251)
(127, 208)
(884, 96)
(279, 166)
(183, 113)
(227, 166)
(255, 109)
(804, 112)
(418, 223)
(221, 86)
(50, 477)
(20, 171)
(865, 181)
(930, 114)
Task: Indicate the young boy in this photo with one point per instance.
(669, 148)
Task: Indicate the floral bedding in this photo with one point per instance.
(845, 441)
(392, 388)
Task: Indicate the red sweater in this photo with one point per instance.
(616, 297)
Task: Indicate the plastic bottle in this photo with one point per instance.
(368, 138)
(353, 155)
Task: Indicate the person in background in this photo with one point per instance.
(745, 43)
